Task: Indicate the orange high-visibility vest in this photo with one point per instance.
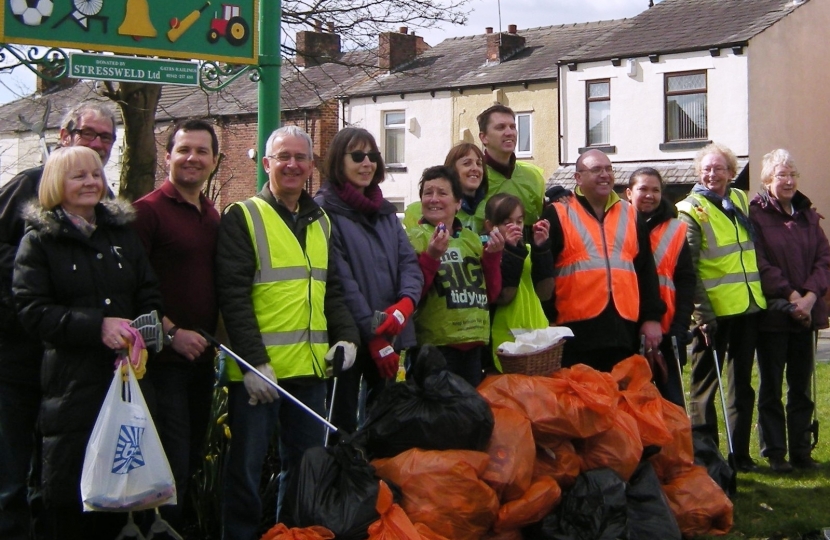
(666, 242)
(597, 262)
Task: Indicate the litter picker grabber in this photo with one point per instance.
(814, 424)
(676, 351)
(733, 464)
(337, 369)
(213, 341)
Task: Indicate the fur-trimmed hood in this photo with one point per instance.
(116, 212)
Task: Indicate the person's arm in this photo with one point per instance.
(341, 325)
(350, 289)
(652, 306)
(235, 269)
(512, 264)
(13, 197)
(685, 280)
(703, 312)
(410, 275)
(819, 278)
(491, 266)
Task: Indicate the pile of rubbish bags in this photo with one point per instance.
(577, 455)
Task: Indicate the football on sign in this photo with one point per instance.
(31, 12)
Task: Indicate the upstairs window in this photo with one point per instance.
(686, 106)
(598, 98)
(524, 127)
(393, 137)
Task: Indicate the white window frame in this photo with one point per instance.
(668, 95)
(520, 137)
(588, 101)
(396, 127)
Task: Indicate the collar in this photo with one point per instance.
(613, 198)
(168, 189)
(504, 170)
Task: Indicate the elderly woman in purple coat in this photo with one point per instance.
(794, 261)
(376, 263)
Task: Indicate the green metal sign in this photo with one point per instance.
(107, 67)
(187, 29)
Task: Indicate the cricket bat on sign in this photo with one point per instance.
(180, 27)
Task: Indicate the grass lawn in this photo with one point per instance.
(785, 506)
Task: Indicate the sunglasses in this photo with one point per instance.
(358, 157)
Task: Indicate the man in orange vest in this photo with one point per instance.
(607, 289)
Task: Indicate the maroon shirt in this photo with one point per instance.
(180, 241)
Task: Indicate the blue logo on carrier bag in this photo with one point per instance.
(128, 450)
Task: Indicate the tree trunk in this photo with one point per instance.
(138, 103)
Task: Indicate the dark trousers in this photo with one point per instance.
(466, 364)
(72, 523)
(672, 389)
(735, 342)
(182, 397)
(19, 405)
(778, 351)
(345, 413)
(599, 359)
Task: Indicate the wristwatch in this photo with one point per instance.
(168, 337)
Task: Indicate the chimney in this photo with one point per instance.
(330, 26)
(502, 46)
(315, 48)
(488, 30)
(398, 48)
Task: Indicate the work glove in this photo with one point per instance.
(349, 354)
(397, 314)
(259, 390)
(385, 357)
(709, 329)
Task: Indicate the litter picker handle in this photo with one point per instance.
(338, 360)
(213, 341)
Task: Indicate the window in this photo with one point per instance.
(524, 125)
(598, 94)
(393, 136)
(686, 106)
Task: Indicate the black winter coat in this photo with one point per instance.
(64, 285)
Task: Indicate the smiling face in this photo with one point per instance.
(359, 174)
(83, 187)
(714, 173)
(646, 193)
(595, 176)
(438, 204)
(93, 123)
(191, 160)
(470, 170)
(288, 165)
(783, 184)
(500, 137)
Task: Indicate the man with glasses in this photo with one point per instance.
(606, 282)
(89, 124)
(282, 304)
(178, 226)
(499, 135)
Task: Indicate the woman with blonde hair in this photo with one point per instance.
(80, 275)
(794, 258)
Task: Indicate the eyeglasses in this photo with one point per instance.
(286, 157)
(89, 135)
(358, 157)
(599, 170)
(784, 176)
(716, 170)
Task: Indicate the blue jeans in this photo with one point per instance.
(19, 405)
(182, 394)
(252, 428)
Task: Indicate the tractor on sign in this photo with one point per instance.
(233, 27)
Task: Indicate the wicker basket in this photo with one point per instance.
(542, 362)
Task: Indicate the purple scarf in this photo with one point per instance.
(366, 203)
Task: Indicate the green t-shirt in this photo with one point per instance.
(527, 183)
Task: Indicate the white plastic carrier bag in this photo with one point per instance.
(125, 468)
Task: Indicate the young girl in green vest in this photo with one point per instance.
(462, 276)
(526, 281)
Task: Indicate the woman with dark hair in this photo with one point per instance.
(675, 270)
(376, 264)
(80, 276)
(793, 257)
(468, 161)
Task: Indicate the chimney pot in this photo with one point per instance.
(511, 28)
(318, 26)
(330, 26)
(404, 30)
(488, 30)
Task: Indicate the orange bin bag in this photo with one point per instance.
(393, 523)
(281, 532)
(537, 502)
(514, 534)
(618, 448)
(442, 489)
(641, 399)
(558, 460)
(572, 403)
(677, 456)
(699, 504)
(427, 533)
(512, 453)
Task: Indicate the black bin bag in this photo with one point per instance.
(709, 455)
(336, 488)
(649, 514)
(594, 509)
(433, 410)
